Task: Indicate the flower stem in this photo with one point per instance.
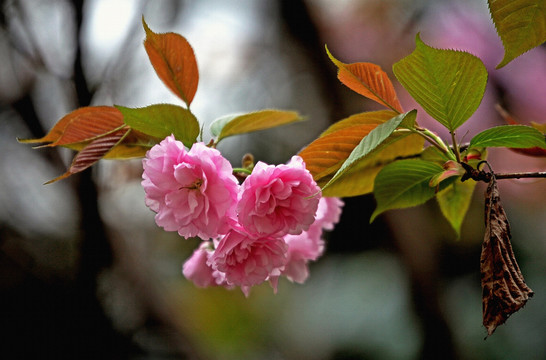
(242, 170)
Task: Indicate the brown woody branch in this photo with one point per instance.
(520, 175)
(481, 175)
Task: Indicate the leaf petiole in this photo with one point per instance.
(435, 141)
(455, 146)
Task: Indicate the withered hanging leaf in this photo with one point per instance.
(504, 290)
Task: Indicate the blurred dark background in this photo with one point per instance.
(84, 271)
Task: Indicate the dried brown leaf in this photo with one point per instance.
(504, 290)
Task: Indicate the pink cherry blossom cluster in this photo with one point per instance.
(269, 226)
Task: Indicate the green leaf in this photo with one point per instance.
(432, 153)
(539, 127)
(454, 202)
(162, 120)
(511, 136)
(521, 25)
(448, 84)
(404, 183)
(217, 125)
(325, 155)
(359, 179)
(134, 144)
(244, 123)
(369, 143)
(356, 181)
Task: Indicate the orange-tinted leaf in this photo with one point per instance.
(174, 62)
(82, 125)
(326, 154)
(534, 151)
(368, 80)
(369, 117)
(96, 150)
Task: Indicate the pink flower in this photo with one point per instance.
(196, 268)
(309, 246)
(246, 260)
(278, 200)
(192, 192)
(301, 249)
(328, 212)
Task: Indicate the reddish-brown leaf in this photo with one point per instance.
(82, 125)
(96, 150)
(504, 290)
(134, 145)
(368, 80)
(174, 62)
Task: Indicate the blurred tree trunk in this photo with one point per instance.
(64, 318)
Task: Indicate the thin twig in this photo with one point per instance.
(520, 175)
